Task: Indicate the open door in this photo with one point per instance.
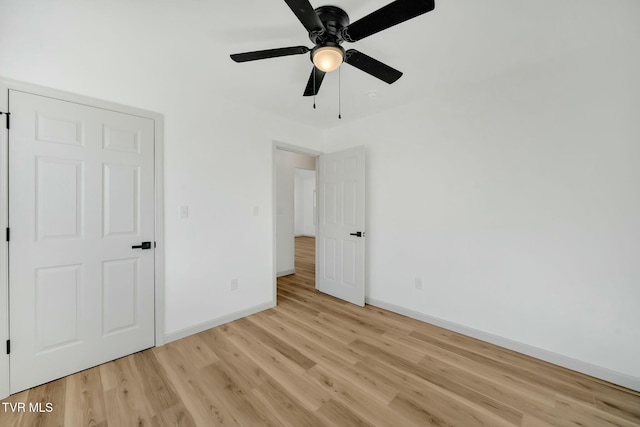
(341, 221)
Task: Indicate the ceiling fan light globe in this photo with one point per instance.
(328, 58)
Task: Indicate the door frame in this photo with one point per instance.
(159, 289)
(278, 145)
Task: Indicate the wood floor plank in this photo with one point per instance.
(318, 324)
(315, 360)
(489, 395)
(388, 343)
(282, 370)
(463, 366)
(414, 383)
(588, 414)
(272, 341)
(509, 357)
(159, 392)
(285, 406)
(451, 409)
(325, 337)
(531, 421)
(187, 380)
(176, 415)
(197, 351)
(236, 399)
(108, 376)
(54, 393)
(618, 402)
(524, 375)
(84, 399)
(356, 400)
(250, 374)
(126, 404)
(369, 318)
(294, 304)
(336, 414)
(312, 350)
(376, 387)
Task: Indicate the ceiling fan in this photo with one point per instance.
(329, 27)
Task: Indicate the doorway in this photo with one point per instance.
(305, 221)
(286, 160)
(295, 214)
(340, 211)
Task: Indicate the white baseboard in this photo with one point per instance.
(285, 272)
(173, 336)
(548, 356)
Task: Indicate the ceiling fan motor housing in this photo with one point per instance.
(334, 19)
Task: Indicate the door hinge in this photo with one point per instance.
(8, 122)
(8, 234)
(8, 346)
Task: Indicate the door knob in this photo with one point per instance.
(357, 233)
(143, 245)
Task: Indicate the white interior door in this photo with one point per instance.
(341, 225)
(81, 194)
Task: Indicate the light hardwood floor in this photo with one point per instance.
(315, 360)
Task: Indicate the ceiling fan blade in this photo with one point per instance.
(371, 66)
(306, 14)
(313, 87)
(269, 53)
(387, 16)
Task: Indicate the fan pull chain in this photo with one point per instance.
(314, 87)
(340, 93)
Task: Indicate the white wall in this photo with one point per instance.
(298, 203)
(149, 57)
(309, 215)
(516, 200)
(286, 164)
(304, 188)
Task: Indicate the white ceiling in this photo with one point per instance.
(460, 43)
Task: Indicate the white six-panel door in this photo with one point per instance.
(341, 213)
(81, 194)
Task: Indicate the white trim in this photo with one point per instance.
(286, 272)
(602, 373)
(9, 84)
(296, 149)
(4, 257)
(159, 229)
(317, 224)
(278, 145)
(173, 336)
